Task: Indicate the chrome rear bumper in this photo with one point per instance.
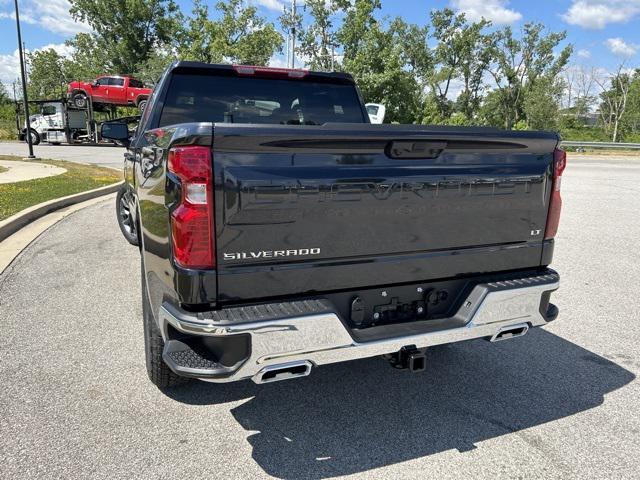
(322, 338)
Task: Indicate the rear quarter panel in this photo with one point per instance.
(166, 280)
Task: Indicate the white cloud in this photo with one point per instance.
(619, 47)
(276, 5)
(24, 17)
(10, 63)
(597, 14)
(52, 15)
(494, 10)
(583, 53)
(278, 61)
(9, 68)
(62, 49)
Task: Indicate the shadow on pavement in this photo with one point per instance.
(352, 417)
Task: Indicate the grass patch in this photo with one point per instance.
(78, 178)
(3, 169)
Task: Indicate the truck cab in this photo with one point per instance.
(55, 123)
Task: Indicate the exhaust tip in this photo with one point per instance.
(283, 371)
(512, 331)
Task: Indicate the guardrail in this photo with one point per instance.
(628, 146)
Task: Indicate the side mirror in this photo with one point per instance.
(115, 131)
(94, 83)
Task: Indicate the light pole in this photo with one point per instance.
(24, 84)
(292, 62)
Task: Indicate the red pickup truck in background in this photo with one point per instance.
(109, 89)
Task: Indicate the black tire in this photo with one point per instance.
(142, 105)
(35, 138)
(79, 100)
(126, 223)
(159, 372)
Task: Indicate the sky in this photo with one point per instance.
(604, 32)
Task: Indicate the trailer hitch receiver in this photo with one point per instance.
(409, 357)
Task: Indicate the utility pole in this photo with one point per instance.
(333, 54)
(26, 62)
(292, 50)
(16, 106)
(25, 99)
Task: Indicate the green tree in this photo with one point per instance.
(519, 63)
(319, 39)
(151, 70)
(125, 32)
(243, 36)
(461, 52)
(630, 123)
(614, 101)
(87, 61)
(475, 59)
(240, 35)
(4, 95)
(381, 69)
(8, 128)
(359, 19)
(196, 39)
(541, 104)
(47, 75)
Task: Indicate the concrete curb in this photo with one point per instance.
(16, 222)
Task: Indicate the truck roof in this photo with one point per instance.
(182, 66)
(116, 75)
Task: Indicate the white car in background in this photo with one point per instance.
(376, 112)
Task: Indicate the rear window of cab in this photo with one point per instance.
(230, 99)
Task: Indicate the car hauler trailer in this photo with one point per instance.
(60, 121)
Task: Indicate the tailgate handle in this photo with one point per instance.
(404, 149)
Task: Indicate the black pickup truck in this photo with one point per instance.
(280, 231)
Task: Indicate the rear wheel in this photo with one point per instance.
(142, 105)
(159, 372)
(126, 222)
(79, 100)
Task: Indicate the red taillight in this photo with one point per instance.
(192, 236)
(555, 204)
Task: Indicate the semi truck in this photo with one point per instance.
(61, 121)
(55, 123)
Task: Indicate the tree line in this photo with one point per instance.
(448, 71)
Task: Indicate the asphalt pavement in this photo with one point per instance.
(103, 155)
(560, 402)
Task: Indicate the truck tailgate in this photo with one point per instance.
(307, 209)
